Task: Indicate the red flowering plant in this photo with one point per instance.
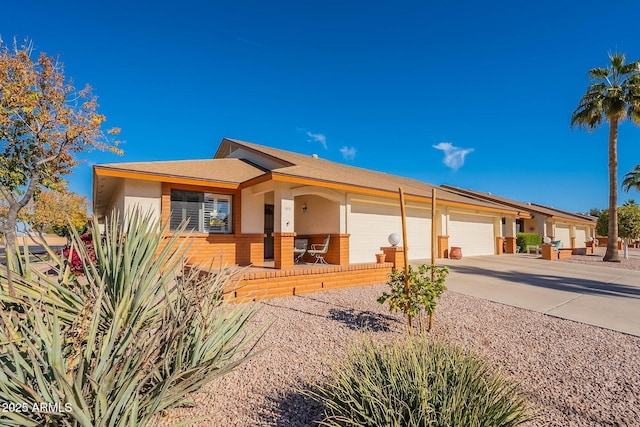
(74, 261)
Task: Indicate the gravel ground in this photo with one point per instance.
(577, 374)
(632, 263)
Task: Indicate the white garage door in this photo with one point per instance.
(562, 233)
(370, 225)
(474, 234)
(581, 237)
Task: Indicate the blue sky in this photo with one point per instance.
(472, 94)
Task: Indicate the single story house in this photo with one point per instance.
(573, 230)
(249, 203)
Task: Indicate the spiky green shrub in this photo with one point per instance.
(115, 347)
(418, 383)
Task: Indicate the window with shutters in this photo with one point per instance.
(204, 212)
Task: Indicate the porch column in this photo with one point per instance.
(283, 228)
(497, 231)
(543, 228)
(441, 234)
(283, 250)
(572, 235)
(443, 246)
(510, 235)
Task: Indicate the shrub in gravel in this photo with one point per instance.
(128, 339)
(426, 285)
(419, 383)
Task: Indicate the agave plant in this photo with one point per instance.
(418, 383)
(129, 339)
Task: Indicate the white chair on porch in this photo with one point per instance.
(299, 249)
(318, 250)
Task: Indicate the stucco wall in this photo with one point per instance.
(143, 195)
(116, 204)
(321, 215)
(252, 217)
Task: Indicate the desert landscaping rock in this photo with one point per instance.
(576, 374)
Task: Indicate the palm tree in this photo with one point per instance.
(613, 96)
(632, 180)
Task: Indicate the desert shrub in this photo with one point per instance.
(418, 383)
(122, 343)
(426, 285)
(524, 239)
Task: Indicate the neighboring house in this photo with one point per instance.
(249, 202)
(574, 230)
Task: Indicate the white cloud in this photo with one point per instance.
(349, 153)
(453, 156)
(247, 41)
(317, 137)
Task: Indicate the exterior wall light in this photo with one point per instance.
(304, 207)
(394, 239)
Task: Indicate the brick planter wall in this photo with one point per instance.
(276, 283)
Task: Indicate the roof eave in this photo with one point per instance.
(173, 179)
(380, 192)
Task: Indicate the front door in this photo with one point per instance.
(268, 229)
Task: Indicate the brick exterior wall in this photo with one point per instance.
(511, 248)
(338, 252)
(394, 255)
(277, 283)
(221, 249)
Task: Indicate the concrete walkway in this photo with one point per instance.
(601, 296)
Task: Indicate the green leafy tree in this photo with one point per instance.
(612, 96)
(628, 220)
(57, 212)
(632, 180)
(44, 123)
(595, 212)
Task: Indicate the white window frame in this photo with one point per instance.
(211, 203)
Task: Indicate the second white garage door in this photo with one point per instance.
(581, 237)
(474, 234)
(562, 233)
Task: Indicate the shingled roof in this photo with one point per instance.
(320, 170)
(525, 206)
(233, 170)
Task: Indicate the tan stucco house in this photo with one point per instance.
(249, 202)
(573, 230)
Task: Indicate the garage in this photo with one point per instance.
(581, 237)
(370, 224)
(474, 234)
(563, 234)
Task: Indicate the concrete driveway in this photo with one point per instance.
(601, 296)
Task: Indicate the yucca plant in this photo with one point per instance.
(418, 383)
(129, 339)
